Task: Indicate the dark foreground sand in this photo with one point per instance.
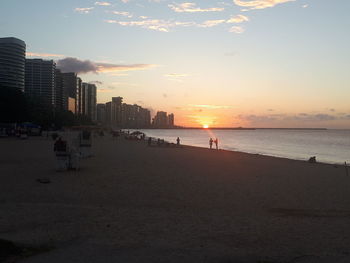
(133, 203)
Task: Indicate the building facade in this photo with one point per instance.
(116, 112)
(119, 115)
(171, 120)
(61, 96)
(160, 120)
(40, 80)
(12, 63)
(88, 100)
(101, 114)
(163, 120)
(71, 86)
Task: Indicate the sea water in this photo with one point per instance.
(329, 146)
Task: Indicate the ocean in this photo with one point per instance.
(329, 146)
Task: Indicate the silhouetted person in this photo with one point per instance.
(211, 143)
(216, 141)
(60, 145)
(178, 141)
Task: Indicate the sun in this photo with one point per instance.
(205, 126)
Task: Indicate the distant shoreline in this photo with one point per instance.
(234, 128)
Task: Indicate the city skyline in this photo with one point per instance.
(224, 64)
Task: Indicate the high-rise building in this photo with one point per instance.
(101, 114)
(40, 80)
(109, 114)
(120, 115)
(12, 63)
(163, 120)
(83, 98)
(116, 112)
(61, 96)
(160, 120)
(171, 120)
(79, 96)
(91, 102)
(71, 85)
(143, 118)
(88, 100)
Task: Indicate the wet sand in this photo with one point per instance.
(133, 203)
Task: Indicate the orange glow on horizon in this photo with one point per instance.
(205, 126)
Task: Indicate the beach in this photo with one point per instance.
(134, 203)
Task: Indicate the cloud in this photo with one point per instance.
(305, 6)
(70, 64)
(211, 23)
(211, 107)
(103, 3)
(191, 8)
(236, 29)
(175, 75)
(260, 4)
(44, 55)
(237, 19)
(152, 24)
(84, 10)
(119, 74)
(303, 118)
(122, 13)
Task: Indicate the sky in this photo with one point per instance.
(226, 63)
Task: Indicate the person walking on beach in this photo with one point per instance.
(178, 141)
(216, 141)
(211, 143)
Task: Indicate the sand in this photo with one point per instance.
(134, 203)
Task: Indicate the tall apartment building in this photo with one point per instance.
(61, 95)
(91, 102)
(88, 100)
(119, 115)
(79, 107)
(12, 63)
(171, 120)
(109, 114)
(71, 84)
(163, 120)
(160, 120)
(135, 117)
(101, 114)
(143, 118)
(40, 80)
(116, 112)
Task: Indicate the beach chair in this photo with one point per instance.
(74, 160)
(62, 155)
(62, 161)
(85, 144)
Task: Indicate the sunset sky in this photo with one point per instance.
(227, 63)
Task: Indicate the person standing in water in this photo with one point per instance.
(211, 143)
(178, 141)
